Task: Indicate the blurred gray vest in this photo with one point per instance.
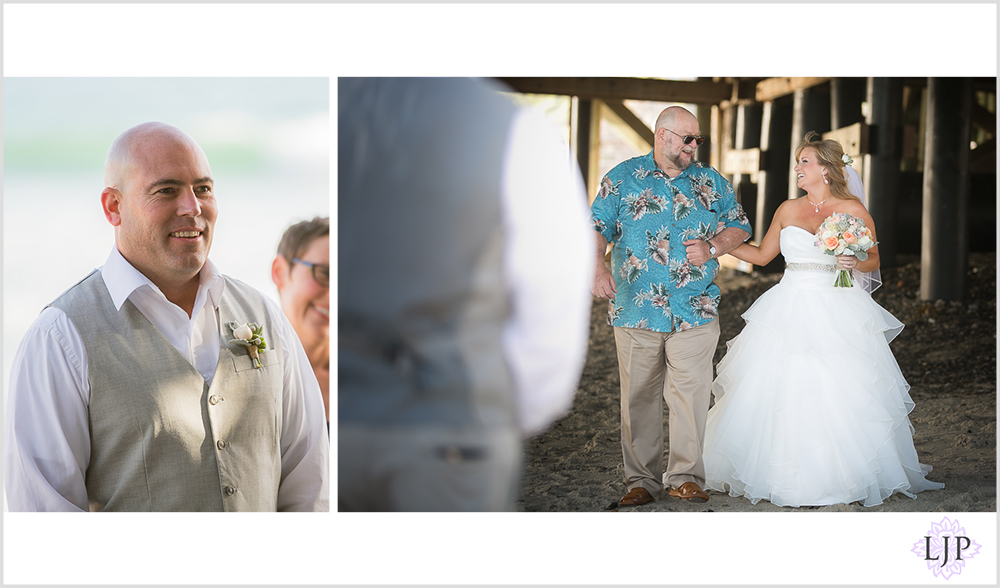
(161, 438)
(421, 293)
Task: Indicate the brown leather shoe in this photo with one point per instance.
(690, 491)
(635, 497)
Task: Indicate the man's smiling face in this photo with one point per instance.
(167, 209)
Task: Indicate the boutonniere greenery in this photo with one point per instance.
(249, 335)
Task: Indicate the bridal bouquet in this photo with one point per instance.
(843, 234)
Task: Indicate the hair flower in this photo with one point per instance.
(846, 159)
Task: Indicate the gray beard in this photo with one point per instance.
(678, 162)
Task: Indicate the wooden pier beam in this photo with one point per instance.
(727, 139)
(846, 96)
(748, 135)
(944, 236)
(709, 150)
(586, 134)
(882, 163)
(810, 112)
(772, 187)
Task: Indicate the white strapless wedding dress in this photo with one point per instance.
(810, 405)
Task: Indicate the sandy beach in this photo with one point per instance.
(947, 352)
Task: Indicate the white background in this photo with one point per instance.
(492, 40)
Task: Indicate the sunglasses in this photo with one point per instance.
(320, 272)
(698, 139)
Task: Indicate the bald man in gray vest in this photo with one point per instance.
(156, 383)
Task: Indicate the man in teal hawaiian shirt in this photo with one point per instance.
(668, 218)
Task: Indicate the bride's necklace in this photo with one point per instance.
(816, 205)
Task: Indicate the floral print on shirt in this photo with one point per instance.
(647, 216)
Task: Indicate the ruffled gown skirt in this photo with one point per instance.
(810, 405)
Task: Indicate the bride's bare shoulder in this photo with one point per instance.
(789, 212)
(786, 208)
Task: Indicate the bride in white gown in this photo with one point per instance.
(810, 405)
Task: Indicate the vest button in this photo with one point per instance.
(221, 444)
(230, 490)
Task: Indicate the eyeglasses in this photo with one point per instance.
(698, 139)
(320, 271)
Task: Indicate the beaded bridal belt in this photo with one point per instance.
(816, 267)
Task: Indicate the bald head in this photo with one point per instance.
(132, 146)
(160, 198)
(672, 155)
(669, 118)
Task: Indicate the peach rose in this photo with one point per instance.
(850, 237)
(831, 242)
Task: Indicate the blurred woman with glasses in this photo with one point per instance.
(301, 271)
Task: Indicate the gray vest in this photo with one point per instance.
(161, 438)
(422, 296)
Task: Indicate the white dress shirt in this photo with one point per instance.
(48, 437)
(549, 265)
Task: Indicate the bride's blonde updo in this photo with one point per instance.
(830, 155)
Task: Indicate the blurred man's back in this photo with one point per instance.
(427, 410)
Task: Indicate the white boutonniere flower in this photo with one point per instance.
(251, 336)
(847, 159)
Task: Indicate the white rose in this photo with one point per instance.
(864, 240)
(244, 332)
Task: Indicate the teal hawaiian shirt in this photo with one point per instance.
(647, 216)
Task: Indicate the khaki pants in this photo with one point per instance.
(675, 367)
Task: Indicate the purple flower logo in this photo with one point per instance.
(945, 548)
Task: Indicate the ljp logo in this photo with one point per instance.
(946, 548)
